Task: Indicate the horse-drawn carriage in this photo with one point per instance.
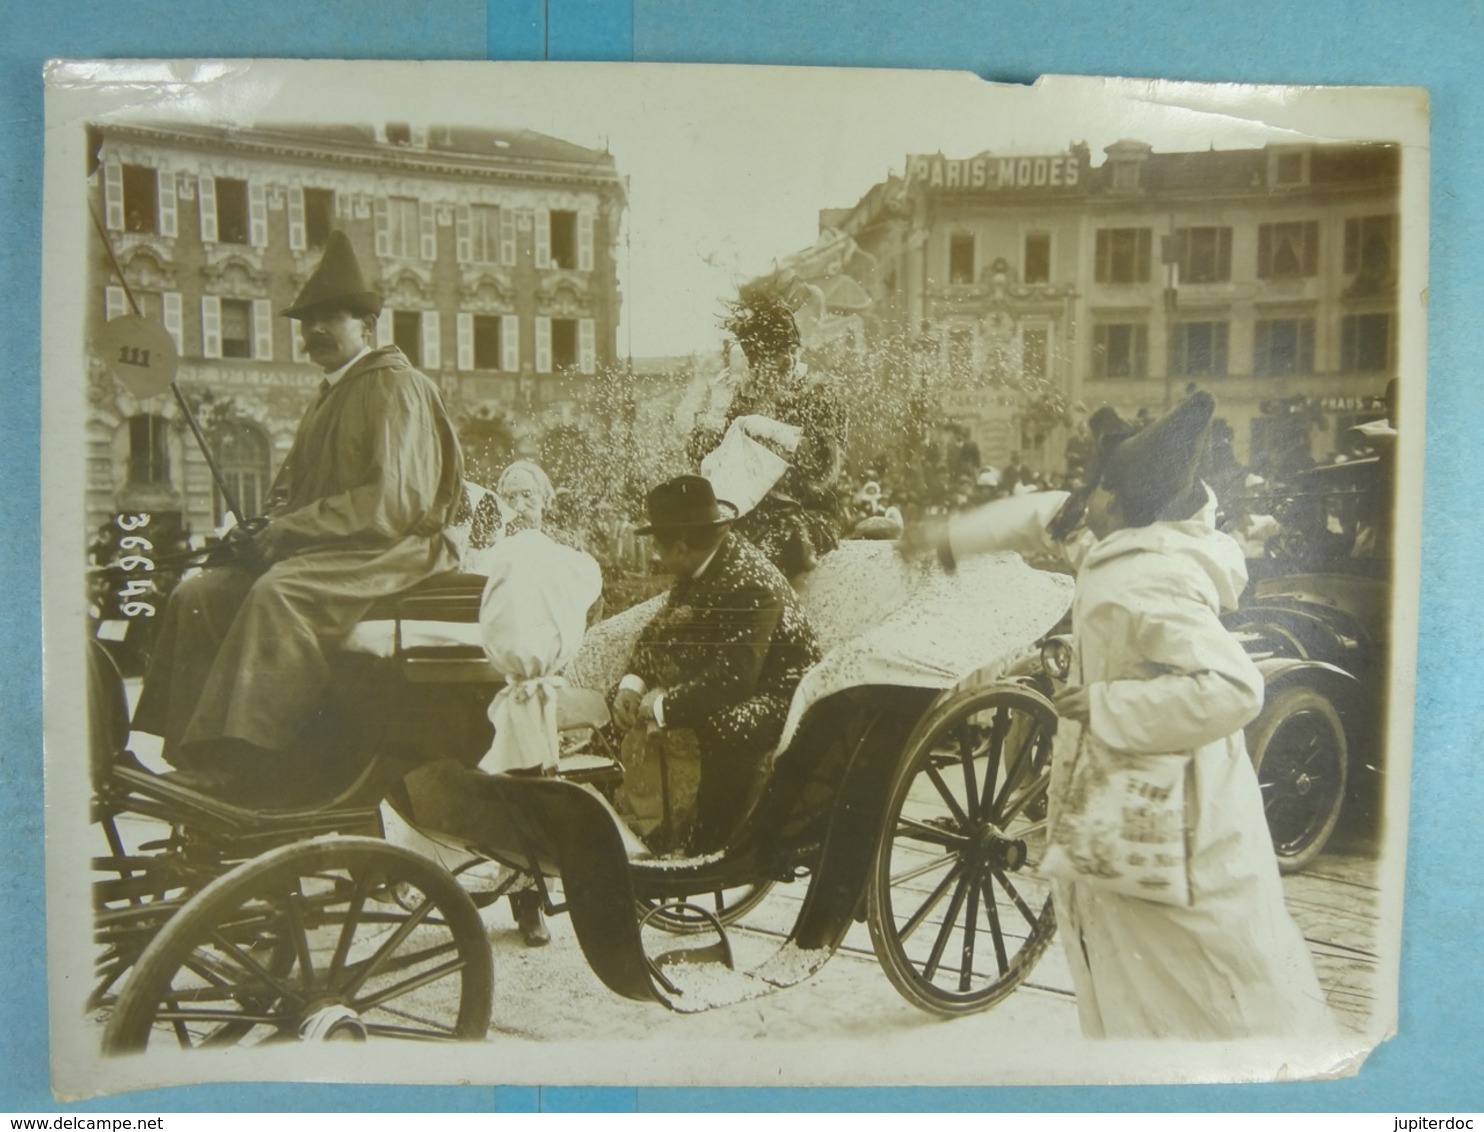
(908, 791)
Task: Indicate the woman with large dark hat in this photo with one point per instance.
(1158, 682)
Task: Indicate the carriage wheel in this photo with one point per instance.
(958, 917)
(678, 916)
(341, 938)
(1298, 746)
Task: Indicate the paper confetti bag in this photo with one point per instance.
(1119, 822)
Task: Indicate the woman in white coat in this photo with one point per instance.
(1155, 672)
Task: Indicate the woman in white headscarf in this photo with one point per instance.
(522, 498)
(527, 494)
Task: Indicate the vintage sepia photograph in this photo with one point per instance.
(725, 575)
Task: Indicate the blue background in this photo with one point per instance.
(1434, 1064)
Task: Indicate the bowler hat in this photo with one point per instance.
(685, 503)
(1152, 472)
(336, 282)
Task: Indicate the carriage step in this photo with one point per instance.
(354, 805)
(718, 952)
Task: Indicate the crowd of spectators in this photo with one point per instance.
(1274, 506)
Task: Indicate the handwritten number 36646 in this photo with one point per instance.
(134, 356)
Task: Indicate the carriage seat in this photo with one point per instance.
(439, 613)
(438, 619)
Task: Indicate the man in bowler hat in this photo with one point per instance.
(722, 657)
(356, 513)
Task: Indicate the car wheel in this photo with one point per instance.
(1299, 748)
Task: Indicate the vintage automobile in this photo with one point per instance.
(1315, 620)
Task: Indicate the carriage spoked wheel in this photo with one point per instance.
(133, 892)
(307, 942)
(958, 916)
(682, 916)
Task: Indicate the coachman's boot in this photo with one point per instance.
(526, 908)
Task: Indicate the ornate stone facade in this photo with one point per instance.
(495, 251)
(1267, 276)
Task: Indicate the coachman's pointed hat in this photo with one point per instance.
(1152, 472)
(336, 282)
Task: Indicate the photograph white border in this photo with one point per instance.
(1172, 115)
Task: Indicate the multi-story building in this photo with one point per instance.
(495, 251)
(1267, 276)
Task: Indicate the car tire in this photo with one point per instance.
(1299, 749)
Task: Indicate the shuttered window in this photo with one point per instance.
(432, 342)
(113, 195)
(507, 237)
(211, 326)
(298, 239)
(257, 214)
(383, 219)
(489, 342)
(587, 345)
(262, 330)
(206, 205)
(427, 226)
(399, 228)
(173, 317)
(169, 213)
(115, 302)
(485, 224)
(464, 325)
(463, 246)
(543, 344)
(584, 241)
(543, 237)
(510, 343)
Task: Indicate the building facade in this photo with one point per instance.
(495, 251)
(1034, 286)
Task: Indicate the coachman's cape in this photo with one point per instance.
(360, 506)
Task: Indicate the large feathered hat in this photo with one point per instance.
(1152, 472)
(336, 282)
(762, 320)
